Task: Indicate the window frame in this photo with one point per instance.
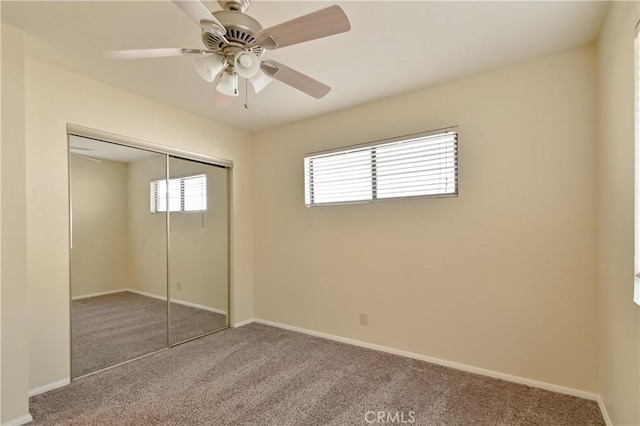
(154, 200)
(308, 179)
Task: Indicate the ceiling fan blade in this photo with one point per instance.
(145, 53)
(201, 15)
(323, 23)
(295, 79)
(156, 53)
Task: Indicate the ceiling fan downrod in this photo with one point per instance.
(235, 5)
(235, 42)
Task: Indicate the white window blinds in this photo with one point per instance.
(414, 166)
(194, 193)
(184, 194)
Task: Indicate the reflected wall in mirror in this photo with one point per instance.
(118, 267)
(149, 252)
(198, 246)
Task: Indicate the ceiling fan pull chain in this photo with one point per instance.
(246, 93)
(234, 43)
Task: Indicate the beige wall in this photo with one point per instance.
(198, 241)
(501, 277)
(99, 197)
(119, 244)
(0, 219)
(13, 312)
(619, 317)
(147, 232)
(54, 98)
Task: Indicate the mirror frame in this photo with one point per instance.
(102, 136)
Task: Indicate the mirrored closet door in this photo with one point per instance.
(149, 252)
(198, 261)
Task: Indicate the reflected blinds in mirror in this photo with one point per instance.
(184, 194)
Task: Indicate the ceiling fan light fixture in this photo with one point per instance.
(234, 43)
(208, 66)
(260, 81)
(246, 64)
(228, 84)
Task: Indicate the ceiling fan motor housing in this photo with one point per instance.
(235, 42)
(241, 32)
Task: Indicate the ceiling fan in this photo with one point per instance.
(235, 43)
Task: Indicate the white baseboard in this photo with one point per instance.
(144, 293)
(386, 349)
(197, 306)
(155, 296)
(456, 365)
(49, 387)
(603, 410)
(241, 323)
(178, 301)
(104, 293)
(23, 420)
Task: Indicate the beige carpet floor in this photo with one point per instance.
(110, 329)
(261, 375)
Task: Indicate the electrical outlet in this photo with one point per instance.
(364, 319)
(178, 286)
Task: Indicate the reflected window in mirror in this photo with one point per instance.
(184, 194)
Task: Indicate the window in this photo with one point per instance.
(419, 165)
(185, 194)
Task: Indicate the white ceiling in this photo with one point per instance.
(393, 47)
